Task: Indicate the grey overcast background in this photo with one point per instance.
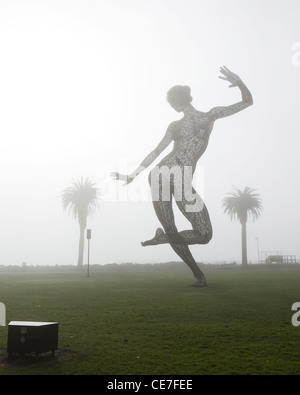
(83, 92)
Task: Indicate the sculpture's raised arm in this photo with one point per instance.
(235, 81)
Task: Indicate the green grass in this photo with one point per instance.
(153, 323)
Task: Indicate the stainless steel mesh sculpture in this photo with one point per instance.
(172, 177)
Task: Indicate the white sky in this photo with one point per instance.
(83, 91)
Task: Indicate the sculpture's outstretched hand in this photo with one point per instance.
(121, 177)
(229, 76)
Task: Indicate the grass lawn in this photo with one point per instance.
(154, 323)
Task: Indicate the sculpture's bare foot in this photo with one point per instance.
(156, 239)
(199, 283)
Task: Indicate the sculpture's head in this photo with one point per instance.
(179, 97)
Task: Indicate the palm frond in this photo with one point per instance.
(242, 205)
(81, 198)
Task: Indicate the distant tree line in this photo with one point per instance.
(139, 267)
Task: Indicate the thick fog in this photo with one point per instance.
(83, 93)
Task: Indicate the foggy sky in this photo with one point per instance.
(83, 91)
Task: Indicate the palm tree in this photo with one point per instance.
(81, 199)
(241, 205)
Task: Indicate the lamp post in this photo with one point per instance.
(88, 236)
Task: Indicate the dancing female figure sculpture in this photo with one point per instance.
(190, 136)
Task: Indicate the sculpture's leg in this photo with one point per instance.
(159, 238)
(190, 237)
(199, 219)
(165, 214)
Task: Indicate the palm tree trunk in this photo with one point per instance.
(81, 248)
(244, 244)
